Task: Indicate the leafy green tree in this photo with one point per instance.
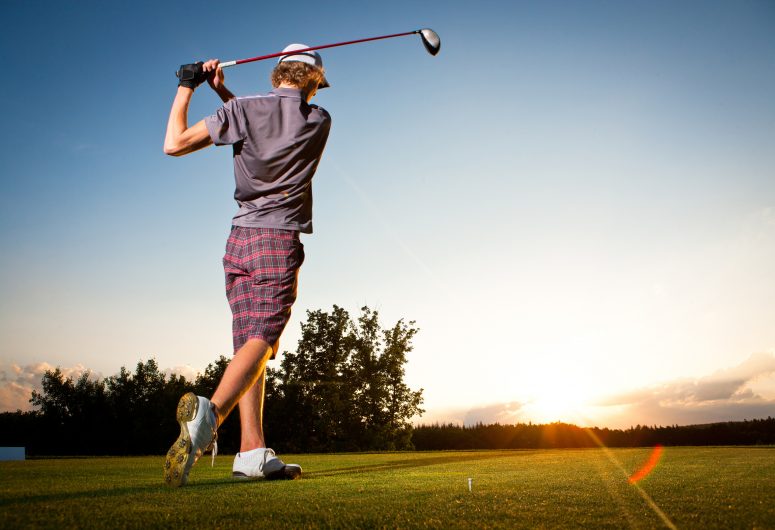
(140, 409)
(308, 392)
(343, 389)
(69, 409)
(400, 402)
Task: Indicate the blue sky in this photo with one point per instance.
(575, 201)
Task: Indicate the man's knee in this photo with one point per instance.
(257, 344)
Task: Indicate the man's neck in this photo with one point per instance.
(307, 95)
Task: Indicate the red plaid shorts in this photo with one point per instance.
(261, 267)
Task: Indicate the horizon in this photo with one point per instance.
(498, 413)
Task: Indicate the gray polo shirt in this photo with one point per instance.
(278, 139)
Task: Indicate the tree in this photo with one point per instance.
(139, 409)
(343, 388)
(128, 413)
(69, 409)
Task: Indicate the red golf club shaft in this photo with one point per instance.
(279, 54)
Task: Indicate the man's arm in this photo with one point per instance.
(181, 139)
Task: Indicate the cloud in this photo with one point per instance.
(17, 382)
(504, 413)
(724, 384)
(496, 413)
(745, 391)
(726, 395)
(189, 372)
(14, 396)
(83, 146)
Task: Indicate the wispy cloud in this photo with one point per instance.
(83, 147)
(496, 413)
(729, 394)
(504, 413)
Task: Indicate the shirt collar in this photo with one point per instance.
(289, 92)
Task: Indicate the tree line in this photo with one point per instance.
(342, 390)
(564, 435)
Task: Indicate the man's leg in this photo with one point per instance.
(261, 279)
(251, 415)
(255, 459)
(240, 378)
(261, 268)
(199, 418)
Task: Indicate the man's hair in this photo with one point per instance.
(298, 74)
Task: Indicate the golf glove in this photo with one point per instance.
(191, 75)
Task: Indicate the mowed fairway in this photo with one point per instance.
(726, 487)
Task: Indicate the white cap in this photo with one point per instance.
(310, 57)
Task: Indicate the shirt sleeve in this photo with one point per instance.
(228, 125)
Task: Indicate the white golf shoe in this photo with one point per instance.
(197, 436)
(263, 463)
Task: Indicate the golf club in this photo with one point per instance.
(430, 40)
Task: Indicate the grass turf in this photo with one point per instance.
(720, 487)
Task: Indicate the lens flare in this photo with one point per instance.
(645, 496)
(646, 468)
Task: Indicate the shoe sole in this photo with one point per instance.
(179, 459)
(288, 472)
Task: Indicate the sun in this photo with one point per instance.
(562, 400)
(548, 409)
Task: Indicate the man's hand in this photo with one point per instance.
(214, 74)
(191, 75)
(215, 79)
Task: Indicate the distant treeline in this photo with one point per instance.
(563, 435)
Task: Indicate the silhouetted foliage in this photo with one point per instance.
(24, 429)
(127, 413)
(68, 409)
(341, 390)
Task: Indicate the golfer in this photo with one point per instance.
(277, 140)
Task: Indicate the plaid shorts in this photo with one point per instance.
(261, 266)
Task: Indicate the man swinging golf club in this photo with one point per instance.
(278, 140)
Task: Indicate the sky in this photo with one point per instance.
(575, 201)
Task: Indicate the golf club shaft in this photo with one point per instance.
(279, 54)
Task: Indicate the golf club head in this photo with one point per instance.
(430, 40)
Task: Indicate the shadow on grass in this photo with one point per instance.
(228, 482)
(107, 492)
(409, 463)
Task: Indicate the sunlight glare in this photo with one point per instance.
(564, 400)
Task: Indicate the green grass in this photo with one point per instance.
(721, 487)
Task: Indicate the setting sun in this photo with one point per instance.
(563, 400)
